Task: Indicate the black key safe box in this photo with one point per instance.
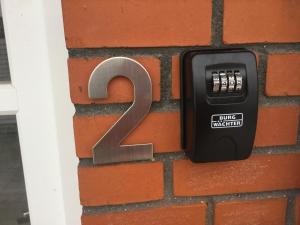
(219, 102)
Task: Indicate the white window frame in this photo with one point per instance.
(8, 99)
(39, 96)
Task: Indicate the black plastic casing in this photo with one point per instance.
(201, 142)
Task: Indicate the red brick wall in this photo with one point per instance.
(171, 190)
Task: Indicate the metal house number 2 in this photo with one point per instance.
(109, 149)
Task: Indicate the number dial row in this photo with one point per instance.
(227, 82)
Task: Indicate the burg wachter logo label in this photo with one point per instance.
(226, 120)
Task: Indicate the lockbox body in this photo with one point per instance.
(219, 102)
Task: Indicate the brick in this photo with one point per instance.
(283, 75)
(277, 125)
(258, 212)
(89, 129)
(118, 184)
(136, 23)
(120, 89)
(297, 211)
(271, 130)
(171, 215)
(258, 173)
(176, 75)
(261, 21)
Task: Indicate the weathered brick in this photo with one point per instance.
(261, 21)
(283, 74)
(171, 215)
(119, 184)
(258, 173)
(134, 23)
(277, 125)
(258, 212)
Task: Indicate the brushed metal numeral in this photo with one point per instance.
(109, 149)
